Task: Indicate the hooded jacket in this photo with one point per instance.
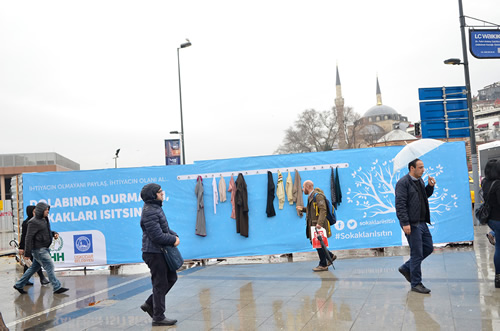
(24, 229)
(38, 234)
(155, 230)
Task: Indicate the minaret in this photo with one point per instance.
(339, 106)
(379, 94)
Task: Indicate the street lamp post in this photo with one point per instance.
(472, 133)
(116, 158)
(184, 45)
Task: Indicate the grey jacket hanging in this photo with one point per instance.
(200, 216)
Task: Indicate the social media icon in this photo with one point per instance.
(339, 225)
(352, 224)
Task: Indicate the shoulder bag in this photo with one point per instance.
(173, 257)
(483, 212)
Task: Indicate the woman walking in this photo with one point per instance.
(491, 190)
(156, 234)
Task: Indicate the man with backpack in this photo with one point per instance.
(316, 215)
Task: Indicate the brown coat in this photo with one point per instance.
(311, 218)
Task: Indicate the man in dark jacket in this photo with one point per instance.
(38, 240)
(412, 210)
(29, 216)
(156, 234)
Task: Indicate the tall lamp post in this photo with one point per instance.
(472, 133)
(116, 158)
(184, 45)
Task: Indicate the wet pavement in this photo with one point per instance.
(360, 294)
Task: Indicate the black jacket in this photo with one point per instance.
(493, 198)
(241, 206)
(38, 234)
(270, 195)
(155, 230)
(24, 229)
(408, 205)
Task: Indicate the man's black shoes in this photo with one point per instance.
(166, 321)
(61, 290)
(44, 281)
(420, 288)
(147, 309)
(20, 290)
(405, 273)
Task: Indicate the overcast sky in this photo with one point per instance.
(84, 78)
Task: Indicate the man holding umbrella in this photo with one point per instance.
(412, 210)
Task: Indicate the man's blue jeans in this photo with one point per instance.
(495, 226)
(421, 246)
(41, 257)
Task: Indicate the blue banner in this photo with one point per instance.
(98, 212)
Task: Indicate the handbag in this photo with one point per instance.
(173, 257)
(483, 212)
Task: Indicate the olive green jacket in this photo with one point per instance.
(313, 218)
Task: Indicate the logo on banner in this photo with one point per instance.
(83, 248)
(83, 244)
(56, 249)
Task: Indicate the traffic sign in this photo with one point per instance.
(447, 116)
(436, 93)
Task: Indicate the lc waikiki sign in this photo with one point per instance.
(79, 248)
(485, 44)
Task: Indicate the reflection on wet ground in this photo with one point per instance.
(360, 294)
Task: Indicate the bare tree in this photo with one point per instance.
(315, 131)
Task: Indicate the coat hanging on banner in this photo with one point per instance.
(216, 194)
(241, 206)
(280, 190)
(297, 192)
(200, 216)
(222, 189)
(232, 189)
(289, 188)
(270, 195)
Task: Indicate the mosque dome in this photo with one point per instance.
(380, 110)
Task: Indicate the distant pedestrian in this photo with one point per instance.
(412, 210)
(37, 243)
(29, 216)
(316, 216)
(488, 173)
(494, 222)
(156, 234)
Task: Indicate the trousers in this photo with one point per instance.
(41, 258)
(421, 246)
(162, 280)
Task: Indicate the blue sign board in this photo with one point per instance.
(447, 115)
(434, 110)
(436, 93)
(485, 44)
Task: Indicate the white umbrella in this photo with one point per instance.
(413, 151)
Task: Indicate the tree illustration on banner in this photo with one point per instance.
(375, 195)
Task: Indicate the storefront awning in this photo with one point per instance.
(496, 123)
(482, 126)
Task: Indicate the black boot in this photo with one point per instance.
(497, 281)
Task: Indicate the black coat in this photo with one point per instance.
(241, 206)
(38, 233)
(493, 198)
(408, 207)
(24, 228)
(270, 195)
